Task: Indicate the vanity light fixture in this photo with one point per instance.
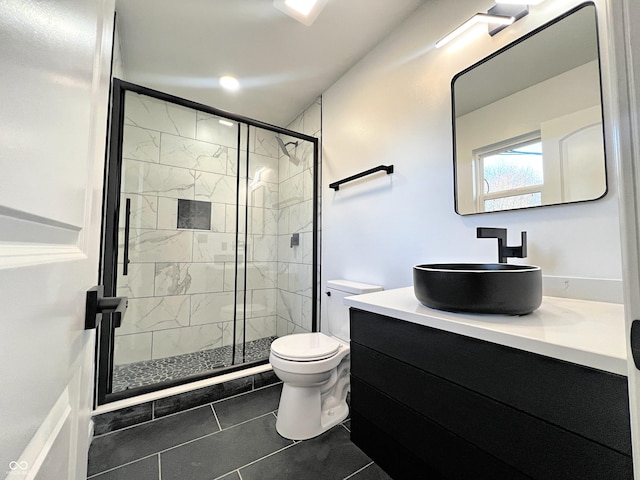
(229, 83)
(304, 11)
(501, 20)
(517, 11)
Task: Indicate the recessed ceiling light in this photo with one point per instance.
(226, 123)
(302, 6)
(229, 83)
(305, 11)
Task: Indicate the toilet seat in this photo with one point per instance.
(305, 347)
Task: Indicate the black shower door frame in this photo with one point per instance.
(105, 338)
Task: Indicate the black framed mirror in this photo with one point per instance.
(527, 121)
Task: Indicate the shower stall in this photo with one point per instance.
(210, 230)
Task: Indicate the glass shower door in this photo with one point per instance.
(276, 277)
(210, 230)
(178, 246)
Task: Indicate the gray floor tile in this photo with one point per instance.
(223, 452)
(371, 472)
(330, 456)
(145, 469)
(127, 445)
(245, 407)
(201, 396)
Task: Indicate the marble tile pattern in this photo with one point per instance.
(181, 282)
(294, 274)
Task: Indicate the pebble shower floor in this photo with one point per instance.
(150, 372)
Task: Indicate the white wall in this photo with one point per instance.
(394, 107)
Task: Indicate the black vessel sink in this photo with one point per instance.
(498, 288)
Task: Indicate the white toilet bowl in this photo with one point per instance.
(314, 369)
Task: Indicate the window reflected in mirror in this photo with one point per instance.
(512, 176)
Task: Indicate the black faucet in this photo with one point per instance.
(504, 252)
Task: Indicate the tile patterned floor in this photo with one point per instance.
(232, 439)
(150, 372)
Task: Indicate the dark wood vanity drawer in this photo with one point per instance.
(389, 454)
(442, 454)
(535, 447)
(583, 400)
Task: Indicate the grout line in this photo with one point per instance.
(357, 471)
(215, 416)
(153, 419)
(246, 421)
(212, 433)
(123, 465)
(267, 456)
(229, 473)
(246, 393)
(187, 442)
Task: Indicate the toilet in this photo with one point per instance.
(314, 369)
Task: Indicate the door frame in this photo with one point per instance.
(625, 39)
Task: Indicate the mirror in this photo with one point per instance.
(527, 121)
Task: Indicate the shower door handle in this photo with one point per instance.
(98, 304)
(127, 218)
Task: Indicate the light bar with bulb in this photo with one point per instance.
(477, 18)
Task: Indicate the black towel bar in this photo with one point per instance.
(379, 168)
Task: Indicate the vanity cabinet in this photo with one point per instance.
(430, 404)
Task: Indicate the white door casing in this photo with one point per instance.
(625, 16)
(54, 85)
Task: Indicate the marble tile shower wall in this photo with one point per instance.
(181, 281)
(295, 264)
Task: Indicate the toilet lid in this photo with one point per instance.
(305, 347)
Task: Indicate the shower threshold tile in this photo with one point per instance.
(221, 453)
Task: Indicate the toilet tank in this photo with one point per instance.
(337, 313)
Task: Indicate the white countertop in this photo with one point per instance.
(579, 331)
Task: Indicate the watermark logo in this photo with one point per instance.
(18, 467)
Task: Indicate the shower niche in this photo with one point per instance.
(200, 208)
